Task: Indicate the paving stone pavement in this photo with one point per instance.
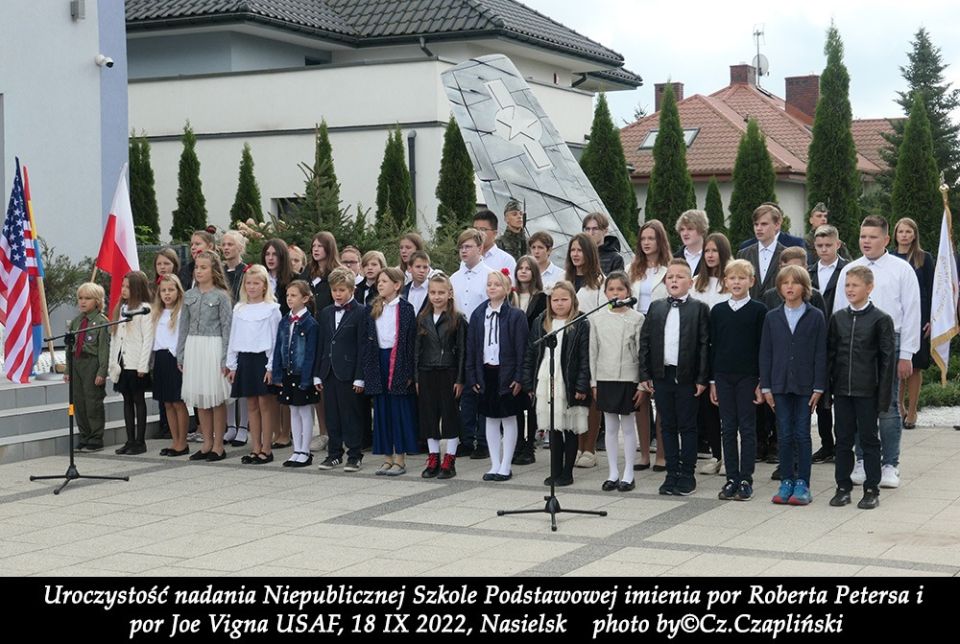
(179, 518)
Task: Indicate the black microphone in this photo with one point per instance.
(143, 310)
(630, 301)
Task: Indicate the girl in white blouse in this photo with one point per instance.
(167, 378)
(708, 285)
(647, 271)
(253, 334)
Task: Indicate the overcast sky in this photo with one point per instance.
(695, 42)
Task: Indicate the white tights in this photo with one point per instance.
(433, 445)
(628, 423)
(500, 465)
(301, 426)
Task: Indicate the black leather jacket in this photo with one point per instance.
(438, 346)
(694, 358)
(861, 352)
(574, 360)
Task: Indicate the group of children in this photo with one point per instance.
(434, 354)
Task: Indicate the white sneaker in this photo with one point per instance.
(194, 437)
(889, 477)
(858, 475)
(587, 459)
(653, 444)
(710, 466)
(230, 434)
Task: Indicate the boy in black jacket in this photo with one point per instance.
(674, 367)
(862, 356)
(339, 371)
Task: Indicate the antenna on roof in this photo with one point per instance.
(760, 62)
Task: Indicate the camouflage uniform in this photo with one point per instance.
(513, 243)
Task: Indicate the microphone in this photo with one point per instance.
(143, 310)
(630, 301)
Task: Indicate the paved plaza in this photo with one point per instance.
(184, 519)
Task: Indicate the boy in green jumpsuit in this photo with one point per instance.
(89, 370)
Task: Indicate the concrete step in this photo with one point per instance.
(33, 394)
(23, 421)
(57, 441)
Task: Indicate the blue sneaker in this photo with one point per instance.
(729, 490)
(801, 494)
(782, 497)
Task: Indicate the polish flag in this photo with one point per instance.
(118, 249)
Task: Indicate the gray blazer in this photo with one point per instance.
(206, 314)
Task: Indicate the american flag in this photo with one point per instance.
(15, 309)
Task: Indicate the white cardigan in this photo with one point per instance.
(615, 347)
(135, 340)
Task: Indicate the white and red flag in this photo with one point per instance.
(118, 250)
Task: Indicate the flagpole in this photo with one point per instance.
(44, 311)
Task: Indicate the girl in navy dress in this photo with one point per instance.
(496, 344)
(389, 373)
(253, 334)
(167, 379)
(293, 358)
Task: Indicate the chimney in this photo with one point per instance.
(743, 74)
(802, 93)
(658, 93)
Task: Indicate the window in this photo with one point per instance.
(651, 138)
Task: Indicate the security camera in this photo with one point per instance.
(103, 61)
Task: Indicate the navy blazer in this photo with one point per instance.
(701, 265)
(513, 345)
(340, 348)
(785, 239)
(296, 354)
(794, 363)
(403, 376)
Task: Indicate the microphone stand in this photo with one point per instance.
(69, 339)
(552, 505)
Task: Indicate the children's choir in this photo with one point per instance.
(725, 352)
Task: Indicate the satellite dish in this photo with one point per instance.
(761, 64)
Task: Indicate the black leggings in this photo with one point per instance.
(563, 452)
(135, 409)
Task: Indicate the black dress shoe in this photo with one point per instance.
(523, 458)
(137, 448)
(212, 456)
(841, 498)
(564, 481)
(249, 458)
(639, 467)
(626, 486)
(504, 477)
(177, 452)
(236, 443)
(659, 468)
(479, 453)
(200, 455)
(490, 476)
(263, 459)
(124, 449)
(281, 445)
(609, 486)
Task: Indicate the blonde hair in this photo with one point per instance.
(563, 285)
(739, 267)
(341, 276)
(696, 219)
(94, 290)
(861, 272)
(826, 230)
(504, 282)
(237, 238)
(371, 255)
(216, 269)
(798, 276)
(159, 306)
(772, 209)
(255, 271)
(470, 234)
(296, 252)
(793, 253)
(393, 274)
(450, 309)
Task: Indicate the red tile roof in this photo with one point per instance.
(868, 137)
(722, 119)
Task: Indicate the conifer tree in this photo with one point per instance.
(916, 192)
(605, 165)
(832, 174)
(456, 186)
(394, 193)
(246, 204)
(925, 76)
(143, 194)
(322, 185)
(714, 208)
(191, 212)
(754, 182)
(670, 191)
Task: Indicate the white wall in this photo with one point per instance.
(263, 108)
(52, 118)
(791, 195)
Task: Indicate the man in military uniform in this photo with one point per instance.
(514, 239)
(818, 217)
(89, 371)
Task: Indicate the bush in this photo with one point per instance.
(935, 395)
